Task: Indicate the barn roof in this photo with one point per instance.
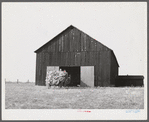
(71, 27)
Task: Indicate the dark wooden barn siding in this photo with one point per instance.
(97, 59)
(129, 81)
(114, 69)
(37, 69)
(74, 41)
(75, 48)
(102, 68)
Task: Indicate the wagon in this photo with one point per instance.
(57, 78)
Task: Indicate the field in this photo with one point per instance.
(29, 96)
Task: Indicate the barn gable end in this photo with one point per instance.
(72, 39)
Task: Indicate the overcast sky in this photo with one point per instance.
(121, 26)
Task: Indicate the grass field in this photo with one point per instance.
(29, 96)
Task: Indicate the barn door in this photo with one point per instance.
(87, 76)
(51, 68)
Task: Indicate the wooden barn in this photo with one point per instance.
(89, 62)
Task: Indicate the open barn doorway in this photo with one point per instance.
(74, 72)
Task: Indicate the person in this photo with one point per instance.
(67, 81)
(62, 77)
(61, 73)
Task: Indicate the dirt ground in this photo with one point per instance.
(29, 96)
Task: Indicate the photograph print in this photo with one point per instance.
(76, 59)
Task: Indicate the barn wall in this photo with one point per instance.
(40, 68)
(37, 68)
(114, 69)
(104, 69)
(100, 61)
(97, 59)
(74, 48)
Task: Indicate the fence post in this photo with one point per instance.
(17, 81)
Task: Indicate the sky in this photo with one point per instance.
(121, 26)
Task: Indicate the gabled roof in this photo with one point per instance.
(68, 28)
(71, 27)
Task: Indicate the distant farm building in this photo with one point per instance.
(131, 80)
(89, 62)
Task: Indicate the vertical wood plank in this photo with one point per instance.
(108, 68)
(69, 58)
(77, 58)
(72, 58)
(85, 42)
(67, 42)
(53, 45)
(64, 37)
(87, 58)
(49, 48)
(56, 45)
(62, 44)
(82, 42)
(36, 81)
(42, 74)
(95, 80)
(82, 58)
(94, 58)
(88, 43)
(66, 59)
(71, 40)
(54, 59)
(74, 41)
(50, 59)
(59, 58)
(100, 68)
(92, 45)
(77, 41)
(62, 59)
(39, 69)
(99, 47)
(95, 42)
(59, 44)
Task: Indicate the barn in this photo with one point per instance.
(89, 62)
